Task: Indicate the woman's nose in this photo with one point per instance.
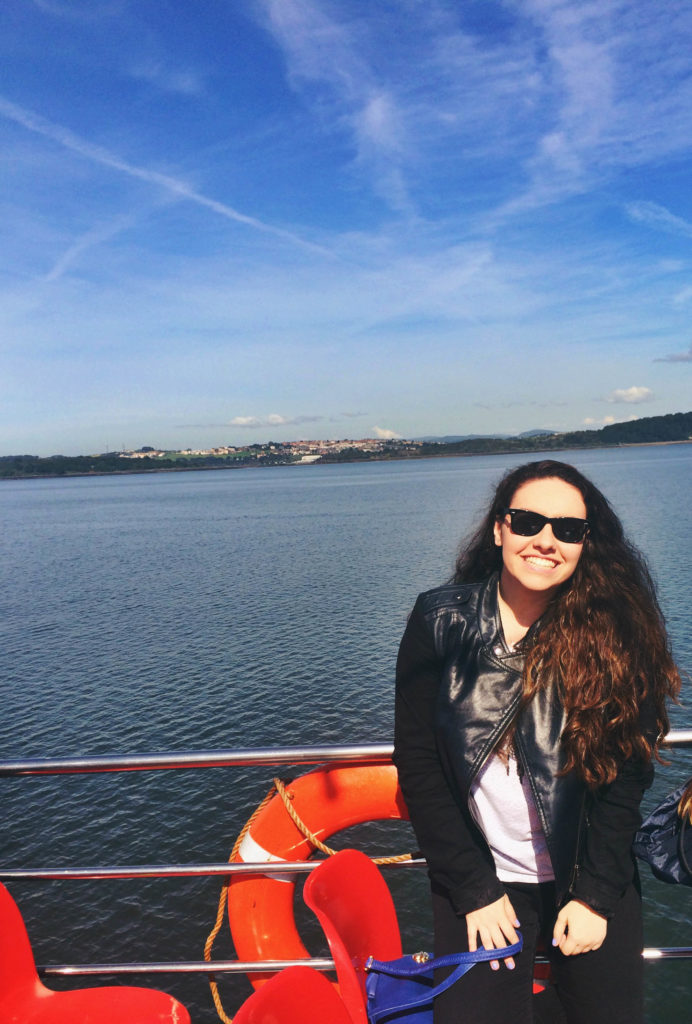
(545, 538)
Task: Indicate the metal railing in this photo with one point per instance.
(376, 753)
(356, 754)
(282, 867)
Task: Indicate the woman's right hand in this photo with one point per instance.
(496, 926)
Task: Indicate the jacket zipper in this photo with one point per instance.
(580, 832)
(493, 740)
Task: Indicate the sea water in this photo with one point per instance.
(246, 608)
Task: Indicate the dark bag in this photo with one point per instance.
(665, 840)
(403, 990)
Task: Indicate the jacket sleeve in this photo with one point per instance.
(607, 864)
(459, 861)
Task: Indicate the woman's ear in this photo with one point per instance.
(497, 533)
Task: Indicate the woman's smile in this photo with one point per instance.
(540, 562)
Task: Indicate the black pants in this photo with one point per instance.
(604, 986)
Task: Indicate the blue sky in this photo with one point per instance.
(231, 221)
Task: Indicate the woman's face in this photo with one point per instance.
(540, 563)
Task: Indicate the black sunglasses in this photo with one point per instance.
(567, 529)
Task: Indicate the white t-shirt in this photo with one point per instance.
(502, 806)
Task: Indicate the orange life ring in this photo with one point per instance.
(328, 799)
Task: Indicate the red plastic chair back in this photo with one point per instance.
(355, 908)
(24, 999)
(297, 995)
(17, 967)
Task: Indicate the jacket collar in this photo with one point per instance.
(490, 624)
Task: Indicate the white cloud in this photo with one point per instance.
(330, 54)
(632, 396)
(615, 92)
(569, 95)
(605, 421)
(670, 266)
(683, 296)
(590, 421)
(173, 80)
(656, 216)
(245, 421)
(385, 434)
(274, 419)
(378, 122)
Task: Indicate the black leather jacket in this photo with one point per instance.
(458, 689)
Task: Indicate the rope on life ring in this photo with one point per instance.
(329, 850)
(292, 822)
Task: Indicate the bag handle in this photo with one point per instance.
(464, 962)
(469, 958)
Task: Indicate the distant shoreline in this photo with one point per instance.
(345, 460)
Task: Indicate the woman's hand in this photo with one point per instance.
(496, 925)
(578, 929)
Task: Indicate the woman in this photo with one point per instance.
(530, 703)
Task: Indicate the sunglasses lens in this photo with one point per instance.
(569, 531)
(527, 524)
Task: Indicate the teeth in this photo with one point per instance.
(547, 563)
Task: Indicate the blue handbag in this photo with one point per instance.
(403, 990)
(665, 841)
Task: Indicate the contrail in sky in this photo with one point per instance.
(64, 137)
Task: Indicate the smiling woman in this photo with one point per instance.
(530, 703)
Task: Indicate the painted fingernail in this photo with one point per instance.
(510, 964)
(495, 965)
(517, 924)
(555, 942)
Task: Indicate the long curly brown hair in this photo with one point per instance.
(602, 640)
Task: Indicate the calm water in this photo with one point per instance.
(247, 608)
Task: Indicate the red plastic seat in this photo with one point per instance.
(355, 908)
(297, 995)
(26, 1000)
